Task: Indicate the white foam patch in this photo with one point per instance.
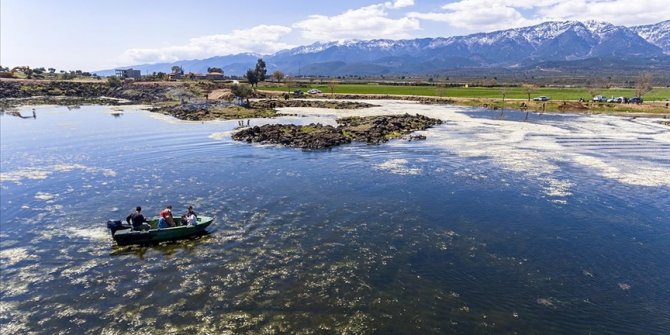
(45, 172)
(623, 149)
(618, 148)
(12, 256)
(95, 234)
(398, 166)
(220, 135)
(44, 196)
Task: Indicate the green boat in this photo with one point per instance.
(123, 235)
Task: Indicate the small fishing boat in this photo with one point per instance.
(124, 235)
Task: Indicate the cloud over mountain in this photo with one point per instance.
(262, 39)
(556, 41)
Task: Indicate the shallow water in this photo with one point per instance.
(557, 224)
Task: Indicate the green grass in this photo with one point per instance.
(477, 92)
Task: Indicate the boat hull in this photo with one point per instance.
(155, 235)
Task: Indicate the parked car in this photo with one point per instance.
(600, 98)
(616, 100)
(542, 98)
(635, 100)
(314, 91)
(298, 92)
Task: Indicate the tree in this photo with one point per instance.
(331, 85)
(242, 91)
(504, 90)
(278, 76)
(251, 77)
(261, 71)
(176, 69)
(643, 84)
(529, 89)
(440, 89)
(595, 86)
(52, 70)
(289, 82)
(215, 69)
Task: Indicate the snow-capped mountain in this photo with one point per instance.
(657, 34)
(511, 48)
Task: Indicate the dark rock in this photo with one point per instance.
(372, 130)
(313, 136)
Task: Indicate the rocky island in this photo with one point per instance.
(371, 129)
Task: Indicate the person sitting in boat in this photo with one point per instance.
(162, 223)
(167, 215)
(138, 220)
(190, 217)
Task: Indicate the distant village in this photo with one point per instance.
(213, 73)
(25, 72)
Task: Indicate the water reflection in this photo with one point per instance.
(166, 248)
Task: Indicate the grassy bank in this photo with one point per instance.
(656, 108)
(658, 94)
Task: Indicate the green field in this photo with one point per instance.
(475, 92)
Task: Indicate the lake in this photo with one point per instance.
(493, 225)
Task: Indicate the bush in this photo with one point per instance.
(114, 81)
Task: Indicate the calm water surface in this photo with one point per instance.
(471, 231)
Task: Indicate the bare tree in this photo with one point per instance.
(643, 84)
(529, 89)
(278, 76)
(331, 85)
(504, 90)
(440, 89)
(595, 86)
(289, 82)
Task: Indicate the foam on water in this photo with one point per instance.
(398, 166)
(622, 149)
(12, 256)
(45, 196)
(37, 173)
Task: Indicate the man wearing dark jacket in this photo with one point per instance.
(138, 220)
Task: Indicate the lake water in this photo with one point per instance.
(493, 225)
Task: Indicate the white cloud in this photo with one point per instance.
(477, 15)
(363, 23)
(400, 4)
(620, 12)
(488, 15)
(261, 39)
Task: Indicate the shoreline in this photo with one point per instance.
(194, 101)
(261, 108)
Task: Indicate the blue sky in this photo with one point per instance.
(98, 34)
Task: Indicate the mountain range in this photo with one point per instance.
(559, 43)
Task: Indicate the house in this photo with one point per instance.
(214, 76)
(177, 73)
(128, 73)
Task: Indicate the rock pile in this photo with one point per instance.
(372, 130)
(379, 129)
(137, 93)
(313, 136)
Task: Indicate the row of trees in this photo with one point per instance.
(42, 73)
